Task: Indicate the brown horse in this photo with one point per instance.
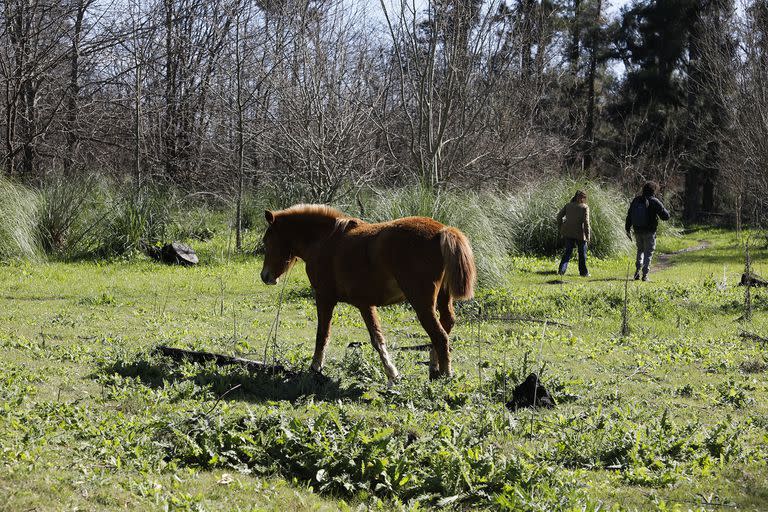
(368, 265)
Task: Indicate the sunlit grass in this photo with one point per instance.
(675, 410)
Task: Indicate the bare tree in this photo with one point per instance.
(33, 50)
(321, 123)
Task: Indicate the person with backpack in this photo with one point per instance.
(643, 217)
(573, 222)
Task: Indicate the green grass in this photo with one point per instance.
(672, 417)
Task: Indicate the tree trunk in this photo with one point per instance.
(137, 127)
(170, 122)
(240, 140)
(529, 25)
(574, 50)
(692, 192)
(589, 126)
(73, 92)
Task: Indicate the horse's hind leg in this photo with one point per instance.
(445, 308)
(440, 357)
(447, 319)
(371, 319)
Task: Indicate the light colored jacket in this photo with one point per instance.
(573, 221)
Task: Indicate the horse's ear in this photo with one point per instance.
(351, 224)
(269, 216)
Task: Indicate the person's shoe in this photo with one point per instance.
(637, 275)
(560, 272)
(646, 278)
(586, 275)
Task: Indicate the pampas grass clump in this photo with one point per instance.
(535, 209)
(482, 217)
(18, 222)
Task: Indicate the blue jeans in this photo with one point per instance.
(646, 244)
(582, 247)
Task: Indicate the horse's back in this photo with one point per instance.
(371, 261)
(407, 236)
(422, 252)
(410, 248)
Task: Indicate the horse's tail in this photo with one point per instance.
(460, 272)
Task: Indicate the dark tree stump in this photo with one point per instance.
(531, 393)
(752, 280)
(179, 254)
(175, 253)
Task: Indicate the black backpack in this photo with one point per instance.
(640, 213)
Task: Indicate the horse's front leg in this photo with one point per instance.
(324, 315)
(371, 319)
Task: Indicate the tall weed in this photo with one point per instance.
(98, 218)
(137, 221)
(70, 210)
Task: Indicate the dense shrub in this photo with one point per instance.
(535, 230)
(71, 215)
(137, 220)
(99, 218)
(18, 222)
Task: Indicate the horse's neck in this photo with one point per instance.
(308, 232)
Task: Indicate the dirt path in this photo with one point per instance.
(663, 260)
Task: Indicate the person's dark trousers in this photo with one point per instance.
(582, 249)
(646, 244)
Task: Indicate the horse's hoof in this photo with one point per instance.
(435, 374)
(392, 382)
(317, 376)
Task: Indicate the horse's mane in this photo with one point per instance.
(343, 222)
(320, 210)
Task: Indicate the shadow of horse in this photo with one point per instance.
(232, 383)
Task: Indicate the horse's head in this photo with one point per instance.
(278, 257)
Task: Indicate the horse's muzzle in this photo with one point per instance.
(266, 278)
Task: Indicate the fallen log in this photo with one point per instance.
(425, 346)
(522, 318)
(749, 279)
(196, 356)
(753, 337)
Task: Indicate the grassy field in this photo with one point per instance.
(673, 416)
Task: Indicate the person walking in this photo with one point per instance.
(643, 217)
(573, 222)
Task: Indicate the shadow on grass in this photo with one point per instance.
(300, 294)
(237, 383)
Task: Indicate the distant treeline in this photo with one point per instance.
(322, 98)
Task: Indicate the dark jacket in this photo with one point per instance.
(656, 209)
